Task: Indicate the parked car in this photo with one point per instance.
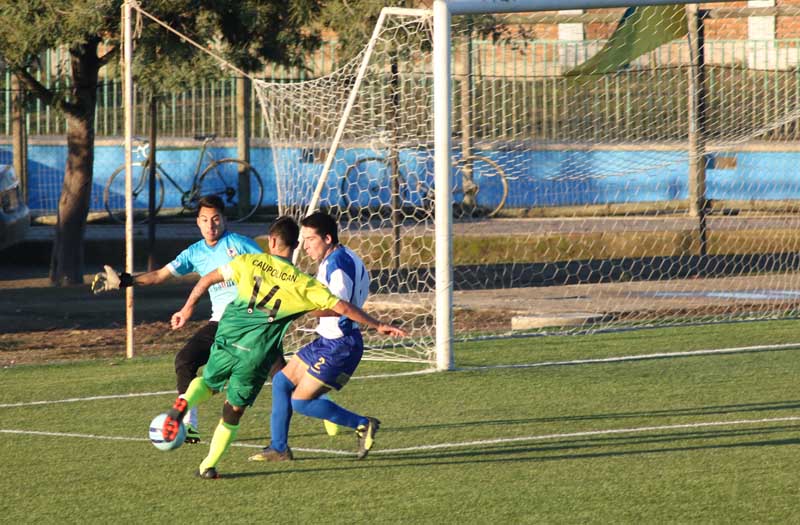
(15, 217)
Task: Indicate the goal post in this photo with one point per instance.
(442, 90)
(443, 10)
(658, 193)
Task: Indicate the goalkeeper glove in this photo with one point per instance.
(110, 280)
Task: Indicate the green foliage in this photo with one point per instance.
(517, 445)
(32, 26)
(353, 22)
(246, 33)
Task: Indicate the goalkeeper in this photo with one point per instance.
(217, 247)
(271, 294)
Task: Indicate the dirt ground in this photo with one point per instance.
(43, 324)
(40, 323)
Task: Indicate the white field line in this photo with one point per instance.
(172, 392)
(642, 357)
(461, 444)
(589, 433)
(78, 399)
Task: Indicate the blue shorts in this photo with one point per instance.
(333, 361)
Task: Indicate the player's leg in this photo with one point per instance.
(188, 361)
(331, 428)
(280, 363)
(245, 380)
(280, 418)
(198, 392)
(330, 363)
(223, 436)
(306, 401)
(215, 375)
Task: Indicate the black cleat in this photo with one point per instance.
(366, 436)
(192, 434)
(209, 473)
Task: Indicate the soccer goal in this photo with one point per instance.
(601, 168)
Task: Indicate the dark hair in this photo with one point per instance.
(286, 229)
(323, 224)
(211, 201)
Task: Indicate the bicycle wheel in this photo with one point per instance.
(364, 188)
(114, 193)
(221, 178)
(489, 185)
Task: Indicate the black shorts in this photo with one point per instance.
(194, 354)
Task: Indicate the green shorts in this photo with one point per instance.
(244, 372)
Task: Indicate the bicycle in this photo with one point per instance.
(366, 186)
(219, 177)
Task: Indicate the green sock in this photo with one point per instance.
(197, 393)
(223, 437)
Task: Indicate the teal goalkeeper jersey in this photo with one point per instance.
(203, 259)
(271, 293)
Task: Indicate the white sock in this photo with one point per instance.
(190, 418)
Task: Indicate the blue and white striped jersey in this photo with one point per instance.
(345, 275)
(203, 259)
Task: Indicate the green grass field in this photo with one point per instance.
(705, 439)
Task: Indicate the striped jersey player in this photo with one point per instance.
(329, 361)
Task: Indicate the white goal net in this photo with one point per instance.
(655, 191)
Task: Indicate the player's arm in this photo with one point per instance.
(180, 317)
(109, 279)
(154, 277)
(323, 313)
(358, 315)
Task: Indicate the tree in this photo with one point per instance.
(246, 32)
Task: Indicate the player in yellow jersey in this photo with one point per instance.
(272, 292)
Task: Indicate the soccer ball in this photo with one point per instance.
(157, 439)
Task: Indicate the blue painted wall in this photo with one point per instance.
(550, 178)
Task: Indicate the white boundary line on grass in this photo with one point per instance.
(642, 357)
(91, 398)
(589, 433)
(439, 446)
(172, 392)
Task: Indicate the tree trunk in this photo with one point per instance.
(19, 139)
(66, 263)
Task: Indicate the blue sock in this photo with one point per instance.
(326, 409)
(282, 390)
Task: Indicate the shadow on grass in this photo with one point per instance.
(743, 408)
(591, 447)
(623, 445)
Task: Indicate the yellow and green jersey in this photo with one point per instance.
(271, 294)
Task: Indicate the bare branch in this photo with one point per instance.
(42, 92)
(106, 58)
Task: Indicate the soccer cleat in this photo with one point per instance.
(330, 427)
(270, 454)
(209, 473)
(172, 423)
(366, 436)
(192, 434)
